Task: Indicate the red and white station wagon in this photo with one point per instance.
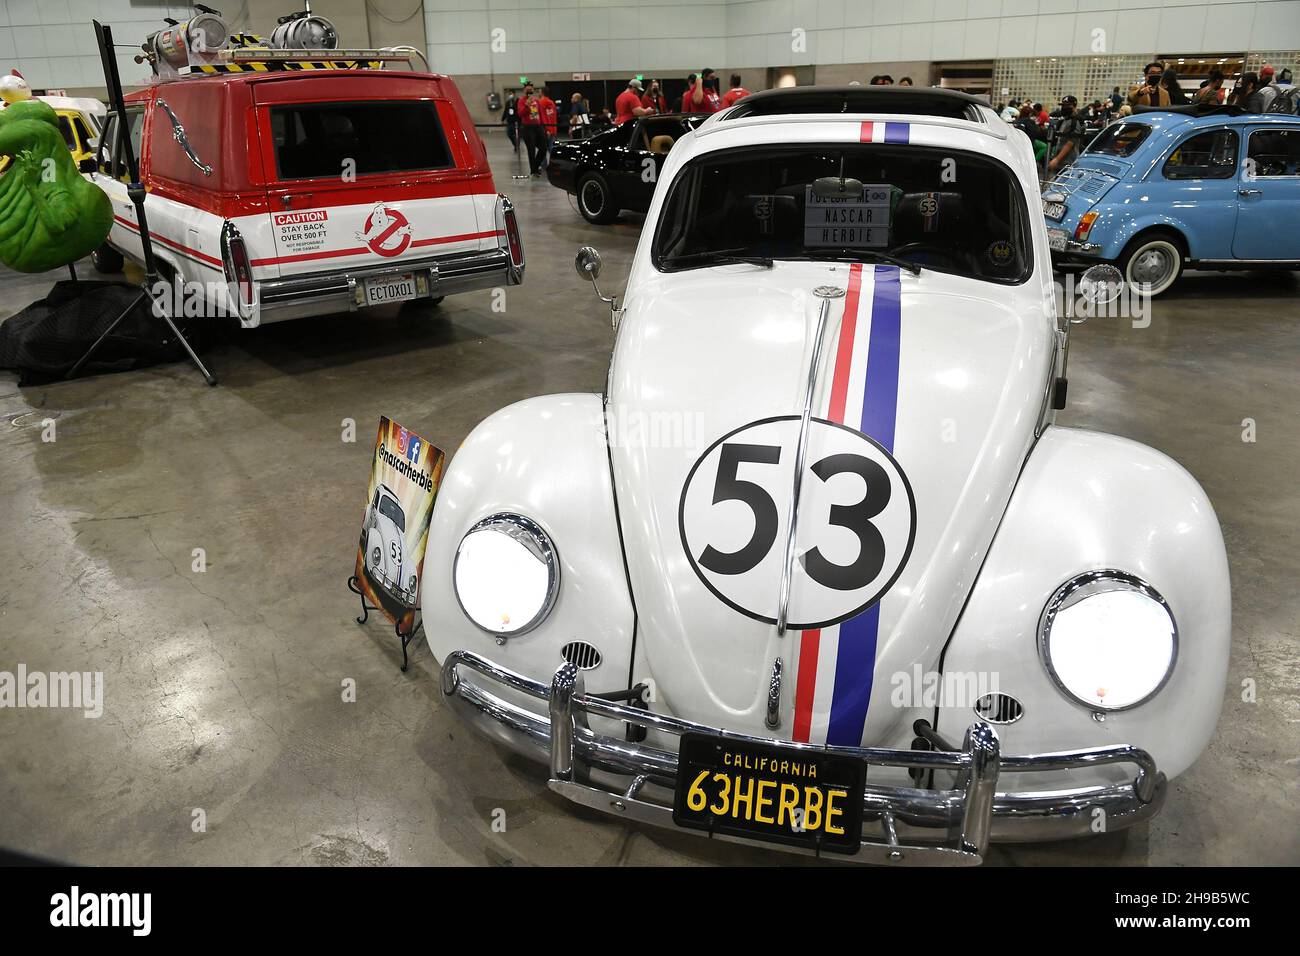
(291, 193)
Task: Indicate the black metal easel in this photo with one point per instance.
(354, 585)
(135, 190)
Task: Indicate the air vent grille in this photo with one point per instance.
(581, 655)
(999, 709)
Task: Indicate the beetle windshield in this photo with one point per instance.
(391, 510)
(937, 209)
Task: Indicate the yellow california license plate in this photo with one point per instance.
(771, 792)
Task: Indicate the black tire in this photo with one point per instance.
(595, 201)
(1152, 262)
(107, 260)
(436, 301)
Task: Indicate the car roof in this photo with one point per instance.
(272, 76)
(1174, 118)
(897, 100)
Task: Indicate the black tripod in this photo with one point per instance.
(136, 192)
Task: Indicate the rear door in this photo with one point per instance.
(367, 170)
(1269, 195)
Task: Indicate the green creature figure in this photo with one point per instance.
(49, 214)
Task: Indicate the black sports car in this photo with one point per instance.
(617, 169)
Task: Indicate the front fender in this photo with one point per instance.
(1090, 501)
(545, 458)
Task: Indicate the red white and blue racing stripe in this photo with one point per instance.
(836, 665)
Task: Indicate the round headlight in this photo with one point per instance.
(1108, 639)
(506, 574)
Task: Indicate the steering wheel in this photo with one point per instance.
(949, 256)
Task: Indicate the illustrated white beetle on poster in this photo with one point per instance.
(386, 561)
(818, 569)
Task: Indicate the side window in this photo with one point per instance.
(136, 118)
(83, 133)
(65, 128)
(1208, 155)
(107, 142)
(1273, 152)
(112, 157)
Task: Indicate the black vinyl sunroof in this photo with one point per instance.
(860, 99)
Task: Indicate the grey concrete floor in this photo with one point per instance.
(223, 688)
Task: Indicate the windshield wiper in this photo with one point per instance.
(721, 256)
(852, 255)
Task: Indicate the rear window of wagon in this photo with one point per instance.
(327, 140)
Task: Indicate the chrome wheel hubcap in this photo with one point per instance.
(1152, 266)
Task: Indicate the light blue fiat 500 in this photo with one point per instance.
(1164, 191)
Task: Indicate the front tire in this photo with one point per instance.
(595, 201)
(107, 260)
(1152, 263)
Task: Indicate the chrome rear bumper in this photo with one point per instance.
(324, 293)
(901, 825)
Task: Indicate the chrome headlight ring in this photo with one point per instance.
(1096, 584)
(517, 578)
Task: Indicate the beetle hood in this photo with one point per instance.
(926, 399)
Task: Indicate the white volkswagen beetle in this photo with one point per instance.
(818, 569)
(384, 531)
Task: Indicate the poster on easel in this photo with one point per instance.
(404, 477)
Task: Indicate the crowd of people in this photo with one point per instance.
(1060, 135)
(533, 120)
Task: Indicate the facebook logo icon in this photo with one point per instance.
(413, 449)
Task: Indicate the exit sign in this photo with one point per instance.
(581, 77)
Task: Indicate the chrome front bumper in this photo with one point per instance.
(901, 825)
(324, 293)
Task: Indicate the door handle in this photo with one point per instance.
(1249, 192)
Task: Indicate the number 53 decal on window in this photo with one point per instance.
(856, 524)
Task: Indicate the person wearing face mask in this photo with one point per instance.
(654, 99)
(1069, 134)
(700, 97)
(1150, 92)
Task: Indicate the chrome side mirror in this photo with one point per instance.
(1099, 286)
(587, 264)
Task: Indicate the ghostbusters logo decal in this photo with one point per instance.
(387, 232)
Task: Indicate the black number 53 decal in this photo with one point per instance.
(850, 547)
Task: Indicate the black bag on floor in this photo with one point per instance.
(44, 340)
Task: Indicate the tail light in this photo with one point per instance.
(1084, 227)
(513, 241)
(238, 268)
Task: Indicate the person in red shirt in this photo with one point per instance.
(550, 117)
(737, 92)
(699, 97)
(628, 105)
(654, 100)
(530, 126)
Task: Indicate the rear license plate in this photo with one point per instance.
(1054, 210)
(770, 792)
(388, 289)
(1056, 240)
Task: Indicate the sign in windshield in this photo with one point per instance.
(862, 220)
